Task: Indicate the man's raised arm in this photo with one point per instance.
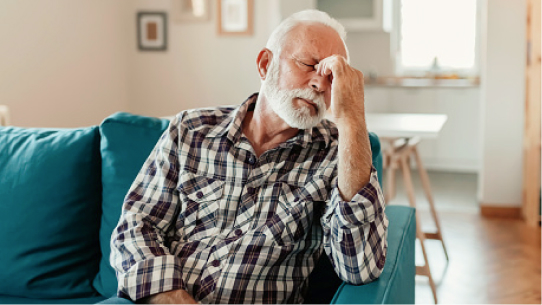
(355, 226)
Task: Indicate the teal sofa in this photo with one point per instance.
(61, 192)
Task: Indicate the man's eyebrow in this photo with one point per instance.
(306, 57)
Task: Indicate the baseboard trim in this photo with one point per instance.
(493, 211)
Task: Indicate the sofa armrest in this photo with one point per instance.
(396, 283)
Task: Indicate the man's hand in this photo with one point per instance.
(348, 111)
(170, 297)
(347, 89)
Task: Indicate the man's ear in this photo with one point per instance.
(264, 60)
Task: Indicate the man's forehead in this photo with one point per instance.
(314, 40)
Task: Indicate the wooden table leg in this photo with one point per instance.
(427, 188)
(390, 183)
(390, 165)
(421, 270)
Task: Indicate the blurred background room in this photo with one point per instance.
(466, 73)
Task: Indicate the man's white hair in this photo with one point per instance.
(277, 38)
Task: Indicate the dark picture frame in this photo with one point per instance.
(151, 31)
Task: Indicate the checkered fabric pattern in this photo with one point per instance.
(206, 215)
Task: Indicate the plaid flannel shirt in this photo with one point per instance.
(206, 215)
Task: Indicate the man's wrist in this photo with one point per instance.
(354, 116)
(351, 125)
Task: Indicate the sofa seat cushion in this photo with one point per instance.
(50, 194)
(15, 300)
(126, 142)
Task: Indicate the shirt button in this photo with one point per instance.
(199, 194)
(213, 248)
(215, 263)
(250, 190)
(252, 160)
(238, 232)
(296, 199)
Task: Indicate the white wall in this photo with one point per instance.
(200, 68)
(458, 146)
(63, 63)
(370, 52)
(503, 102)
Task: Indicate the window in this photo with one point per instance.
(437, 36)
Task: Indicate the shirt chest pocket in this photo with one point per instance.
(293, 219)
(200, 206)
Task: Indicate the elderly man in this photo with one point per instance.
(236, 205)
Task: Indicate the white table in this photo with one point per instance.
(405, 125)
(402, 132)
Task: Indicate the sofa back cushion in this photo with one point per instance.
(50, 194)
(126, 142)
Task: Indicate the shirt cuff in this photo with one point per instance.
(366, 204)
(152, 276)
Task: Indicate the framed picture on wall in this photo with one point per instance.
(235, 17)
(190, 10)
(152, 31)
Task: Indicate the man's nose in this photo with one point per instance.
(319, 83)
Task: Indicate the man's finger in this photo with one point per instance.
(325, 67)
(332, 65)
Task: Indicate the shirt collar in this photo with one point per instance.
(231, 127)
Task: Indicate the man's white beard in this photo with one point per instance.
(281, 101)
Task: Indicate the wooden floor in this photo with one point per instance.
(492, 261)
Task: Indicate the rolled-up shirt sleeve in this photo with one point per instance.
(355, 232)
(143, 262)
